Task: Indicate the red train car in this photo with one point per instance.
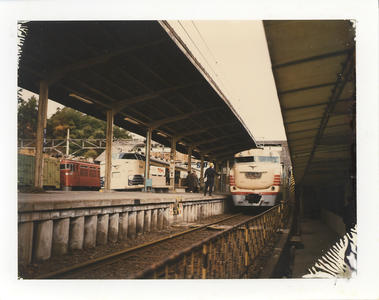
(79, 175)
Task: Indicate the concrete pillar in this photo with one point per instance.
(147, 156)
(166, 212)
(190, 213)
(108, 150)
(217, 181)
(147, 221)
(189, 162)
(25, 242)
(227, 185)
(172, 163)
(41, 133)
(61, 230)
(160, 218)
(90, 226)
(44, 240)
(140, 221)
(102, 229)
(154, 219)
(76, 233)
(185, 213)
(113, 227)
(132, 222)
(124, 222)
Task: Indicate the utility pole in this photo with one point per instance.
(68, 142)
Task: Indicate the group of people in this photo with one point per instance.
(209, 177)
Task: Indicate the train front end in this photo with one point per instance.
(255, 178)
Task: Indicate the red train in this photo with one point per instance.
(79, 175)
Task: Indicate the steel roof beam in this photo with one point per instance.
(121, 104)
(344, 77)
(312, 58)
(315, 105)
(101, 59)
(303, 120)
(307, 88)
(159, 123)
(215, 149)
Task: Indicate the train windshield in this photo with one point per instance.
(272, 159)
(134, 156)
(244, 159)
(66, 166)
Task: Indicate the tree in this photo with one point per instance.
(81, 126)
(27, 113)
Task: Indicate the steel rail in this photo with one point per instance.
(105, 258)
(227, 243)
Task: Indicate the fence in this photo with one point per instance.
(228, 254)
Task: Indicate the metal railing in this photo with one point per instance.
(227, 254)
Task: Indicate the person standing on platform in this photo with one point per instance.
(209, 177)
(195, 187)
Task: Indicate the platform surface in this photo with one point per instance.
(317, 238)
(71, 199)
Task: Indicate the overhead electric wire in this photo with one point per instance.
(188, 35)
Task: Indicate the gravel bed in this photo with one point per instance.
(139, 260)
(79, 256)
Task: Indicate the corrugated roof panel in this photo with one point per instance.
(313, 73)
(305, 98)
(313, 64)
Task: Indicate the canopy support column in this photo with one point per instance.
(227, 181)
(202, 170)
(147, 157)
(189, 160)
(172, 163)
(108, 150)
(41, 133)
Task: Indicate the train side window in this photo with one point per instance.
(83, 171)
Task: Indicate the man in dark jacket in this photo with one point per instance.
(209, 177)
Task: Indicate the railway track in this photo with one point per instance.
(124, 264)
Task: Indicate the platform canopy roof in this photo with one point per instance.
(314, 69)
(137, 69)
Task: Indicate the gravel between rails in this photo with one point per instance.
(126, 265)
(79, 256)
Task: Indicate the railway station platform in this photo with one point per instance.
(316, 239)
(54, 222)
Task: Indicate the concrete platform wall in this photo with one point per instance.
(54, 229)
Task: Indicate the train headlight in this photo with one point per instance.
(130, 177)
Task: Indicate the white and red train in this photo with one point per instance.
(255, 178)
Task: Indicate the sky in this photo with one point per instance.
(235, 55)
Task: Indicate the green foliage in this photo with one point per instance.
(91, 153)
(27, 117)
(81, 126)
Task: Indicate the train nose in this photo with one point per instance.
(253, 198)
